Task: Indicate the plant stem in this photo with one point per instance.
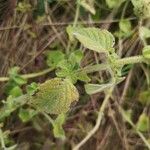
(134, 127)
(130, 60)
(94, 68)
(74, 24)
(98, 122)
(48, 118)
(31, 75)
(2, 139)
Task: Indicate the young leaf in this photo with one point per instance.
(94, 38)
(26, 114)
(32, 88)
(95, 88)
(125, 26)
(16, 91)
(54, 58)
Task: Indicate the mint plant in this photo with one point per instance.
(56, 95)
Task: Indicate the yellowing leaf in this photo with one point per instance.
(55, 96)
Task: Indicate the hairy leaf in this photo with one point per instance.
(94, 38)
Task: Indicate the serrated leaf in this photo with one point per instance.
(55, 96)
(95, 39)
(95, 88)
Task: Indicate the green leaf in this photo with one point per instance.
(32, 88)
(16, 91)
(125, 26)
(95, 88)
(88, 5)
(54, 96)
(143, 123)
(146, 52)
(26, 114)
(114, 3)
(141, 8)
(57, 126)
(94, 38)
(82, 76)
(76, 57)
(144, 32)
(54, 58)
(14, 76)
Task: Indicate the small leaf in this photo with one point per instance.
(143, 123)
(16, 91)
(144, 32)
(82, 76)
(54, 58)
(76, 57)
(32, 88)
(94, 38)
(57, 126)
(26, 114)
(125, 26)
(95, 88)
(146, 52)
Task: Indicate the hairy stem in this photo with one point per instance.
(31, 75)
(130, 60)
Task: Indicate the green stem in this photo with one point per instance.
(48, 118)
(31, 75)
(130, 60)
(2, 139)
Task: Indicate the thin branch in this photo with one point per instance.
(98, 122)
